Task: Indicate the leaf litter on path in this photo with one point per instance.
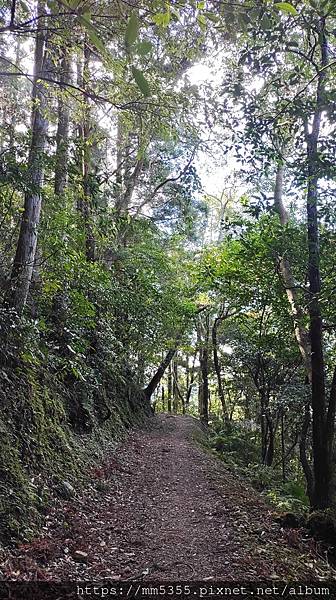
(161, 507)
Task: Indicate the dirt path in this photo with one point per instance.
(163, 508)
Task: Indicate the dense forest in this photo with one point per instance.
(168, 239)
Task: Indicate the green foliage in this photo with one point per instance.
(236, 445)
(239, 450)
(95, 326)
(286, 7)
(132, 29)
(93, 33)
(290, 496)
(141, 81)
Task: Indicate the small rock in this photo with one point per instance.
(80, 556)
(66, 490)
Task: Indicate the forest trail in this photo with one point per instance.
(163, 508)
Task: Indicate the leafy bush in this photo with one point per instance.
(262, 477)
(239, 449)
(236, 443)
(296, 490)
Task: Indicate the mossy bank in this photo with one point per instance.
(44, 449)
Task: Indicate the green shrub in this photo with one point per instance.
(240, 450)
(239, 444)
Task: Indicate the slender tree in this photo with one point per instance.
(62, 134)
(85, 204)
(323, 412)
(25, 255)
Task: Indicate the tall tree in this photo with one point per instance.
(24, 260)
(301, 333)
(63, 118)
(323, 412)
(85, 133)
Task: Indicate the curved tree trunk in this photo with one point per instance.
(301, 333)
(154, 382)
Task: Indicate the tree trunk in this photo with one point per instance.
(263, 431)
(175, 386)
(62, 135)
(204, 371)
(170, 385)
(191, 379)
(187, 372)
(154, 382)
(14, 94)
(218, 368)
(321, 445)
(200, 389)
(22, 271)
(283, 448)
(129, 168)
(303, 454)
(269, 454)
(301, 333)
(177, 394)
(131, 177)
(120, 167)
(85, 204)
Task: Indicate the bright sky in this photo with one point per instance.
(214, 173)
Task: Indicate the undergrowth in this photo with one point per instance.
(239, 449)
